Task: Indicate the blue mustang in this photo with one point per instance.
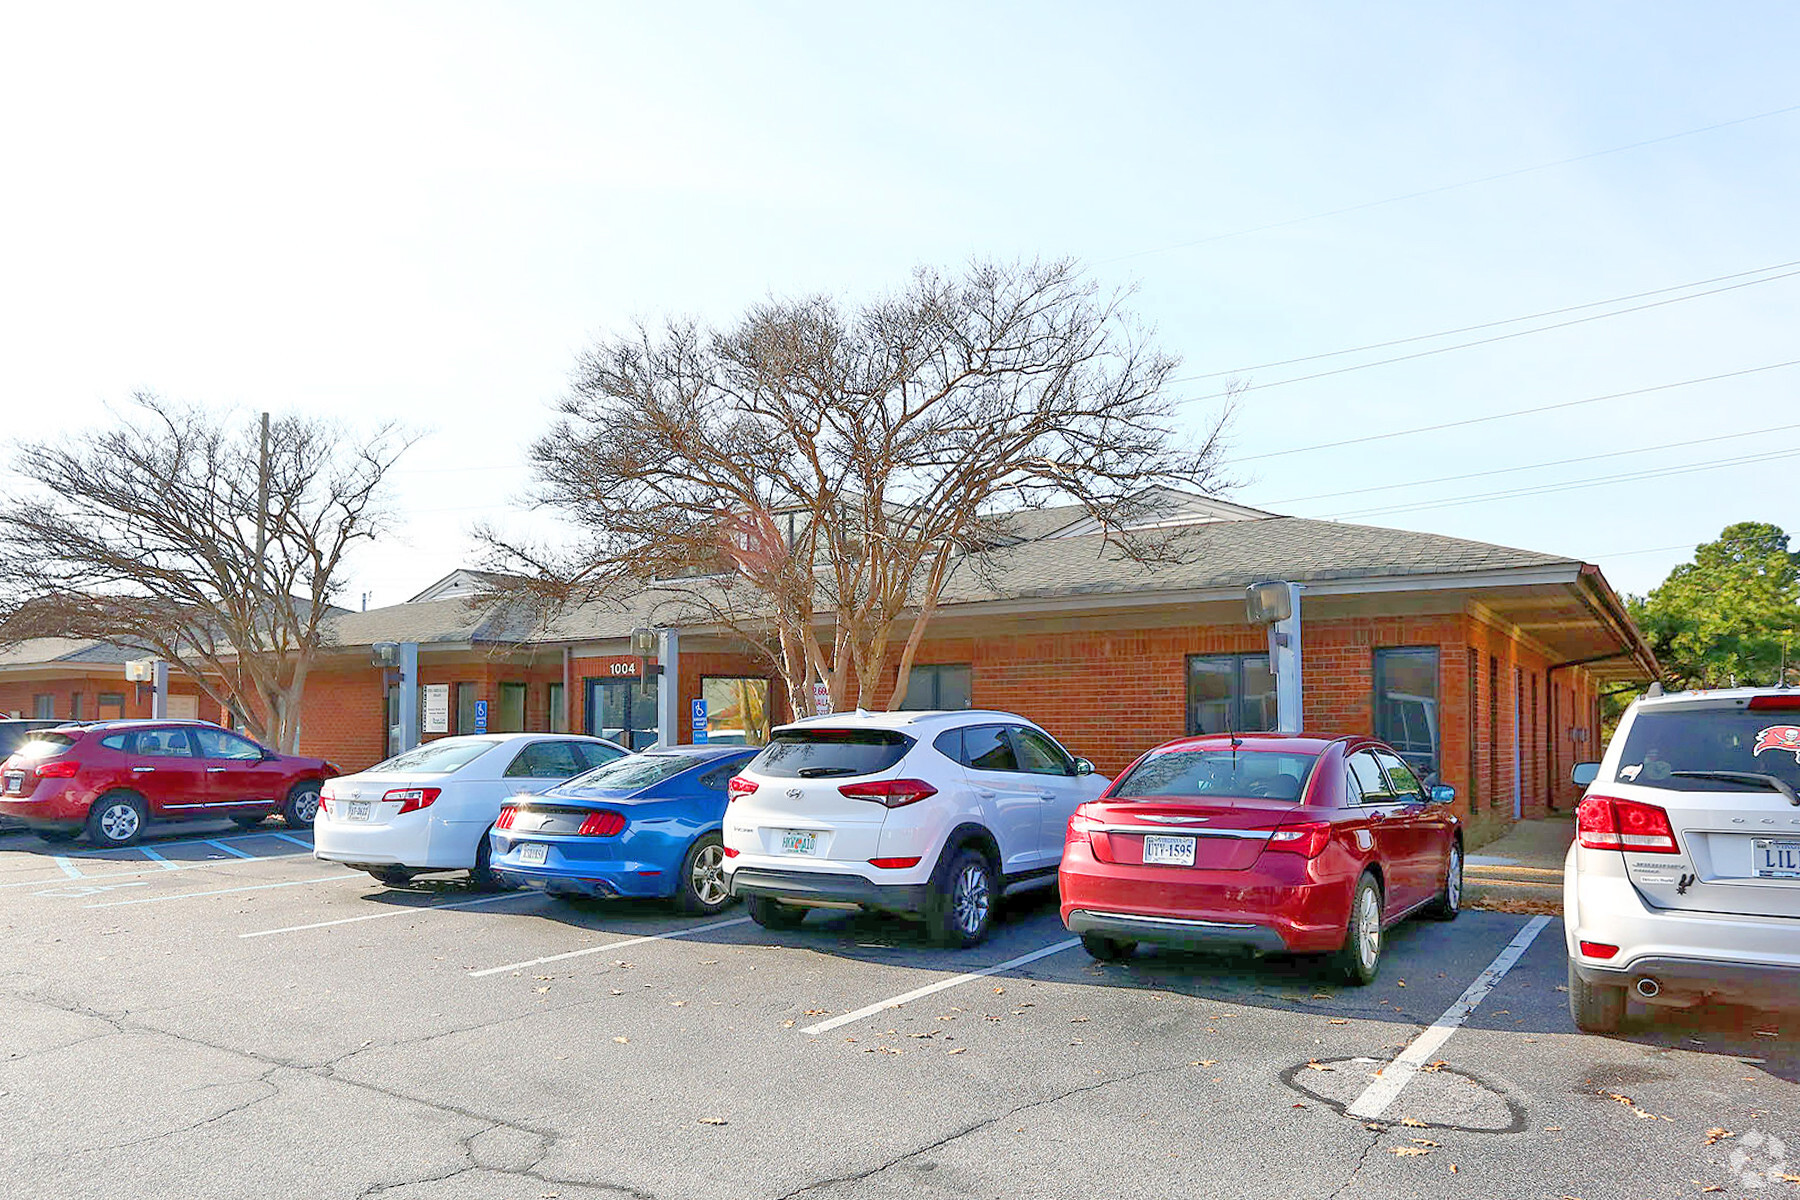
(645, 826)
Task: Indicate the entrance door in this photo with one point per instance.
(621, 711)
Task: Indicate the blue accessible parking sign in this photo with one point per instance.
(699, 722)
(481, 716)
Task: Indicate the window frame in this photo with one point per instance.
(1377, 703)
(768, 704)
(1005, 739)
(1235, 695)
(935, 671)
(1062, 756)
(1363, 796)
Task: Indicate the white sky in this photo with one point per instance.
(424, 211)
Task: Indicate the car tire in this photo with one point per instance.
(1449, 901)
(1107, 949)
(481, 875)
(392, 876)
(1595, 1007)
(702, 891)
(249, 822)
(960, 910)
(1358, 961)
(302, 806)
(117, 819)
(771, 913)
(58, 836)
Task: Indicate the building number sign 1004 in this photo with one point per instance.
(623, 668)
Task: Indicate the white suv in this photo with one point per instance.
(1684, 879)
(922, 813)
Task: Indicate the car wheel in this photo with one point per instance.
(302, 806)
(482, 873)
(248, 822)
(392, 876)
(1449, 901)
(960, 910)
(57, 836)
(702, 890)
(1107, 949)
(116, 819)
(1596, 1007)
(1360, 957)
(771, 913)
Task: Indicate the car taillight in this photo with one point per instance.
(730, 853)
(1784, 700)
(1307, 838)
(1598, 949)
(1607, 823)
(507, 813)
(891, 792)
(603, 823)
(739, 786)
(324, 804)
(894, 864)
(413, 799)
(58, 768)
(1079, 824)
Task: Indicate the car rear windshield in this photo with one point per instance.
(434, 758)
(44, 745)
(1201, 775)
(1661, 746)
(631, 772)
(816, 753)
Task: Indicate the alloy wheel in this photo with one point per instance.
(1368, 927)
(971, 898)
(708, 875)
(306, 806)
(1453, 885)
(119, 822)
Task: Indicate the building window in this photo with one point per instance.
(1406, 705)
(512, 709)
(43, 708)
(465, 708)
(553, 708)
(110, 704)
(74, 706)
(1493, 730)
(737, 710)
(936, 686)
(1473, 704)
(1230, 693)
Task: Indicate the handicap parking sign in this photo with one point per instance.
(699, 722)
(481, 716)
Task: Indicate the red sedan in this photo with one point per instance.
(1273, 843)
(110, 778)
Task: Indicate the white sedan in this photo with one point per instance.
(430, 809)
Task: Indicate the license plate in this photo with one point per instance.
(15, 781)
(1168, 851)
(1775, 858)
(795, 841)
(533, 854)
(360, 809)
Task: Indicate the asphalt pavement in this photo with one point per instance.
(219, 1015)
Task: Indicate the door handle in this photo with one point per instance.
(141, 770)
(1046, 795)
(986, 793)
(214, 770)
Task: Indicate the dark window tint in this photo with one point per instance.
(1400, 776)
(1406, 704)
(1041, 756)
(936, 686)
(950, 744)
(987, 748)
(1201, 774)
(1229, 693)
(1659, 744)
(546, 760)
(115, 741)
(1369, 781)
(811, 753)
(162, 743)
(719, 776)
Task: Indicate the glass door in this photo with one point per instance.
(621, 711)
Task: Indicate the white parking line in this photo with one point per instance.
(158, 859)
(654, 937)
(255, 887)
(179, 866)
(940, 985)
(69, 868)
(396, 912)
(228, 848)
(1396, 1075)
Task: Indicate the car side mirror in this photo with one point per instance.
(1584, 773)
(1083, 767)
(1443, 793)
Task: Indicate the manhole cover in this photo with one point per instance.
(1436, 1098)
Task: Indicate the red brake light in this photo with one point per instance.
(507, 813)
(1306, 838)
(1789, 700)
(58, 768)
(739, 786)
(891, 792)
(894, 863)
(413, 799)
(603, 823)
(730, 853)
(1605, 823)
(1598, 949)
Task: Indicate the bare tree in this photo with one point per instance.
(155, 532)
(812, 476)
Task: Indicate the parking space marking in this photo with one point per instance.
(228, 848)
(158, 859)
(654, 937)
(940, 985)
(69, 868)
(288, 837)
(255, 887)
(396, 912)
(180, 866)
(1396, 1075)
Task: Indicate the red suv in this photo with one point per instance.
(111, 777)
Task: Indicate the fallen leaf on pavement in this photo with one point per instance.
(960, 1050)
(1316, 1065)
(1412, 1122)
(1407, 1151)
(714, 1121)
(1338, 1021)
(1714, 1135)
(1422, 1141)
(621, 1040)
(541, 990)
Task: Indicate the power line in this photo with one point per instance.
(1554, 312)
(1516, 493)
(1501, 416)
(1500, 337)
(1560, 462)
(1450, 187)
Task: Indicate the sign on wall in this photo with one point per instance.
(481, 716)
(434, 714)
(821, 698)
(700, 722)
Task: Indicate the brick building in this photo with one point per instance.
(1480, 663)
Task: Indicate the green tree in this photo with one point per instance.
(1730, 616)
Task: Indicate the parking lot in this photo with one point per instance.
(215, 1013)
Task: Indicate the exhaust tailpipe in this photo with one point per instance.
(1648, 988)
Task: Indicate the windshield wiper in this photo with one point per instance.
(821, 772)
(1770, 781)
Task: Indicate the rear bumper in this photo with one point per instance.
(828, 888)
(1691, 978)
(583, 867)
(53, 804)
(419, 844)
(1177, 931)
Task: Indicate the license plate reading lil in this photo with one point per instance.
(795, 841)
(533, 854)
(1168, 851)
(1775, 858)
(360, 809)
